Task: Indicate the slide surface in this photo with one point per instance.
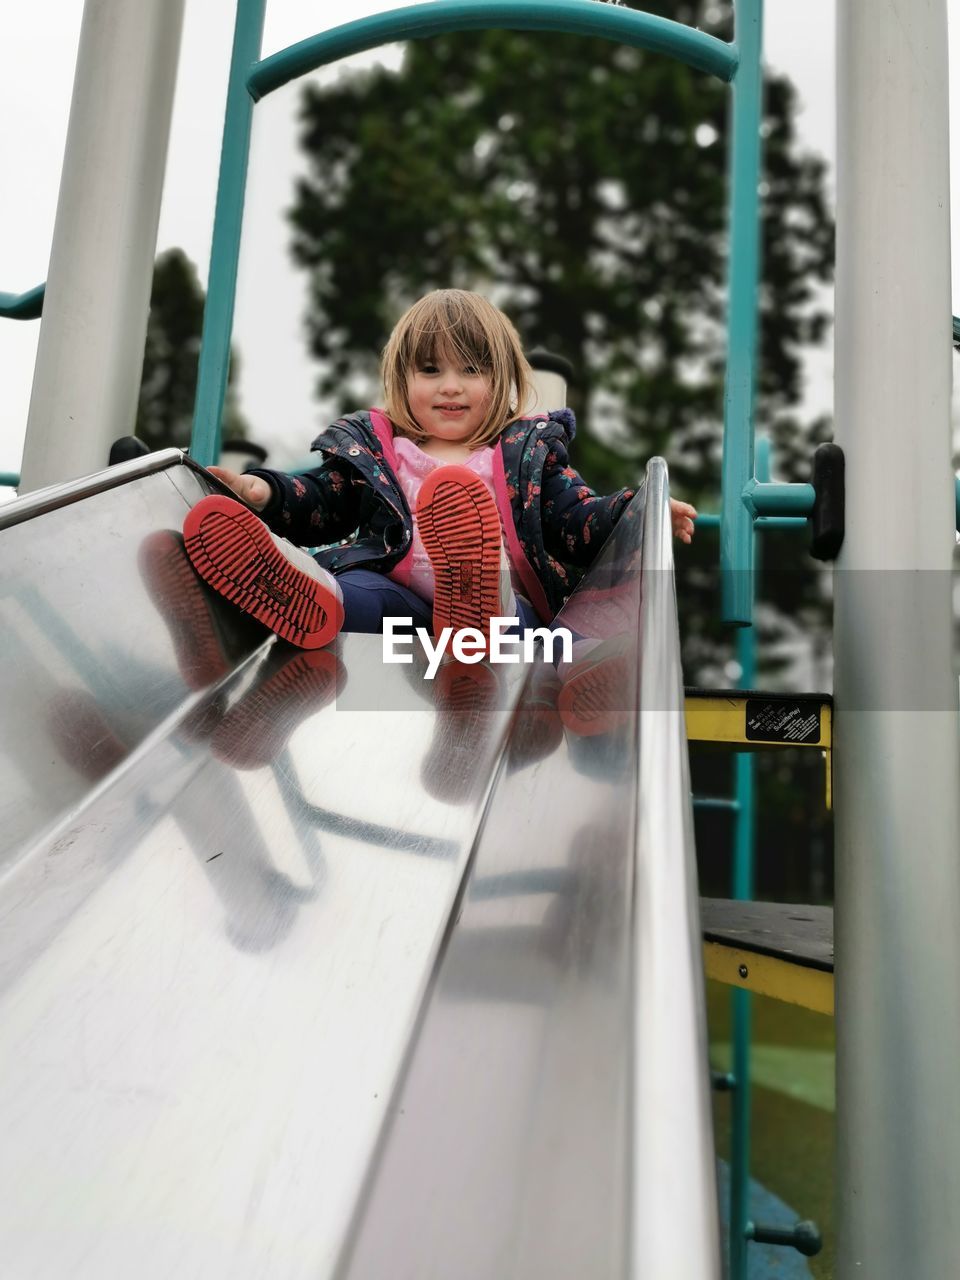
(311, 966)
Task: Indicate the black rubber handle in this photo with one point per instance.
(827, 516)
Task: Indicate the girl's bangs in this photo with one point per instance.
(460, 340)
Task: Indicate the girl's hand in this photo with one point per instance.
(681, 516)
(252, 489)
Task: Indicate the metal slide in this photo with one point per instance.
(404, 982)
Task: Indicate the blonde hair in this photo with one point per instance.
(465, 328)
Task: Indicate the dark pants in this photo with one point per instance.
(369, 597)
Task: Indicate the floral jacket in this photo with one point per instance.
(558, 523)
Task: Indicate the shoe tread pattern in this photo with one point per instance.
(234, 552)
(460, 529)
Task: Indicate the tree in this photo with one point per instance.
(168, 385)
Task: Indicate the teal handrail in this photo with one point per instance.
(22, 306)
(736, 522)
(418, 22)
(214, 364)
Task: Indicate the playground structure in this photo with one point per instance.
(896, 756)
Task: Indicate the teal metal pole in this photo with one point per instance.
(736, 522)
(743, 889)
(764, 450)
(709, 520)
(774, 500)
(225, 250)
(741, 1007)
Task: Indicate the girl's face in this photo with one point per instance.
(448, 400)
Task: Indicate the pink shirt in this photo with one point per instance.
(412, 468)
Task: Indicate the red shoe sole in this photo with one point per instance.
(232, 550)
(460, 528)
(186, 610)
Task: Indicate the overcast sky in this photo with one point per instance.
(40, 42)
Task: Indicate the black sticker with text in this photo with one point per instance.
(782, 720)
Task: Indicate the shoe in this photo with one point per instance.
(595, 695)
(185, 607)
(460, 529)
(293, 686)
(235, 552)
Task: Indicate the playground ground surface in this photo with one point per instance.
(793, 1108)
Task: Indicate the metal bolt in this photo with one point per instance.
(744, 971)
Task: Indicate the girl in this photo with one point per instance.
(452, 504)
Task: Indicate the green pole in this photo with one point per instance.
(741, 1011)
(743, 888)
(214, 364)
(736, 522)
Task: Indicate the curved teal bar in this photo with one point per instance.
(22, 306)
(574, 17)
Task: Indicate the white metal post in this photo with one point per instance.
(897, 754)
(90, 353)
